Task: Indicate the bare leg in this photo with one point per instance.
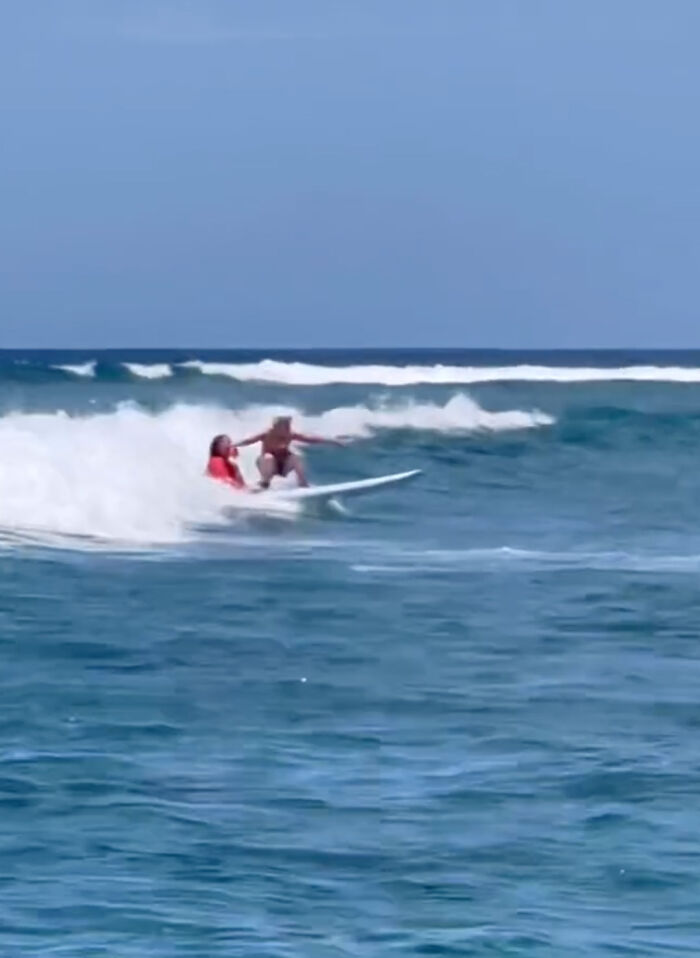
(295, 463)
(267, 466)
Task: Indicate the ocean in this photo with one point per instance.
(458, 719)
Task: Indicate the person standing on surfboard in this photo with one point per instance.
(276, 457)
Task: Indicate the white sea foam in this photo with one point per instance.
(135, 477)
(308, 374)
(458, 414)
(149, 371)
(86, 370)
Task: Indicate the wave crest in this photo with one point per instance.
(303, 374)
(84, 370)
(459, 414)
(149, 370)
(308, 374)
(136, 477)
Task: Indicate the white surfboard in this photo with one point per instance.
(357, 487)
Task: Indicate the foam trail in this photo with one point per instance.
(86, 370)
(308, 374)
(151, 371)
(395, 561)
(135, 477)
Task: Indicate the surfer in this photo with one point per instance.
(221, 465)
(276, 457)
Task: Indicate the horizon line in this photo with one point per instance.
(354, 349)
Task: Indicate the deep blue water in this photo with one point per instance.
(460, 720)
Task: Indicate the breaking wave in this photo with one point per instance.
(84, 370)
(302, 374)
(308, 374)
(149, 371)
(134, 476)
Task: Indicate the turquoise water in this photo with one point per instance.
(460, 720)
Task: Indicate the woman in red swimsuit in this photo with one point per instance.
(276, 457)
(221, 466)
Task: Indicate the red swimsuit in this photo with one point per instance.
(225, 471)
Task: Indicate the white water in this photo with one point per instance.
(149, 371)
(458, 414)
(307, 374)
(84, 370)
(135, 477)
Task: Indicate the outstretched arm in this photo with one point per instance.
(251, 440)
(316, 440)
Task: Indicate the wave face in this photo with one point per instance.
(111, 446)
(135, 476)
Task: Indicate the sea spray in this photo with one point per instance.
(132, 475)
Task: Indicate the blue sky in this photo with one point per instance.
(513, 173)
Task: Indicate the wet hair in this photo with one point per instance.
(217, 445)
(281, 421)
